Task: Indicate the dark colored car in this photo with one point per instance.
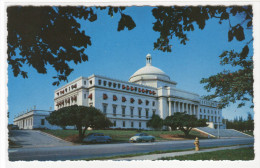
(13, 127)
(97, 137)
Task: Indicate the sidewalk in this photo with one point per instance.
(173, 154)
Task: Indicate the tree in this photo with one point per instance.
(42, 36)
(177, 21)
(169, 121)
(184, 122)
(80, 116)
(155, 122)
(242, 125)
(249, 122)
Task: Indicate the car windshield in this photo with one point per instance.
(141, 134)
(99, 134)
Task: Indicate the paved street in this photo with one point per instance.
(33, 139)
(100, 150)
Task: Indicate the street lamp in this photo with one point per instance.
(218, 119)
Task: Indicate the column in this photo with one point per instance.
(198, 113)
(189, 111)
(175, 106)
(170, 108)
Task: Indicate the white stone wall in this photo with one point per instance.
(33, 120)
(99, 102)
(98, 85)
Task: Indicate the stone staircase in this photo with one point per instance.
(223, 133)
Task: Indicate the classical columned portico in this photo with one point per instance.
(182, 106)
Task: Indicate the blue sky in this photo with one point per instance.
(119, 54)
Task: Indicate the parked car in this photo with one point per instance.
(140, 137)
(97, 137)
(13, 127)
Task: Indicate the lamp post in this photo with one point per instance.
(218, 119)
(218, 128)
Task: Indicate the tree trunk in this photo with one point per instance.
(80, 133)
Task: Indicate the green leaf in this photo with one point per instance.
(230, 35)
(239, 33)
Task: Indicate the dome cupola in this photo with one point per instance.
(149, 74)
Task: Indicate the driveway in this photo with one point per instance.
(33, 138)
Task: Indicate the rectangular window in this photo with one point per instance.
(132, 112)
(153, 103)
(139, 112)
(132, 124)
(118, 85)
(146, 113)
(123, 123)
(42, 121)
(99, 82)
(114, 123)
(105, 83)
(200, 116)
(123, 111)
(85, 96)
(85, 82)
(140, 124)
(154, 111)
(114, 110)
(104, 108)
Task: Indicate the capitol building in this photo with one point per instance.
(130, 104)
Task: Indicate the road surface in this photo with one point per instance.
(101, 150)
(35, 139)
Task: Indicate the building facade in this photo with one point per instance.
(131, 104)
(34, 119)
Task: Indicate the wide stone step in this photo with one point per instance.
(222, 132)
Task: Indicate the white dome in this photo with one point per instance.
(149, 72)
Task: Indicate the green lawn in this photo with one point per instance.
(229, 154)
(150, 153)
(124, 135)
(249, 133)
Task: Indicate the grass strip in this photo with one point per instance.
(228, 154)
(155, 152)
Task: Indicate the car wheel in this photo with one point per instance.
(108, 141)
(93, 141)
(152, 140)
